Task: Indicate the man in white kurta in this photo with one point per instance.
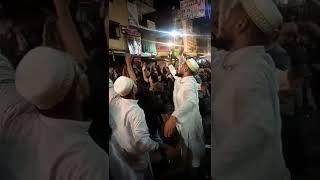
(246, 116)
(37, 146)
(130, 135)
(186, 116)
(119, 170)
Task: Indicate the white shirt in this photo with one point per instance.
(130, 132)
(189, 120)
(120, 170)
(41, 148)
(246, 131)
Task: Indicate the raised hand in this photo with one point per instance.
(144, 66)
(168, 62)
(128, 58)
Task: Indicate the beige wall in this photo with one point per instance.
(118, 12)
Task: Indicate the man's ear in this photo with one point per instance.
(242, 24)
(185, 68)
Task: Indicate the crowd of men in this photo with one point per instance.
(169, 121)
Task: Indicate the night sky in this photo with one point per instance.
(164, 9)
(163, 5)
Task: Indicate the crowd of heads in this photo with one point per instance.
(155, 77)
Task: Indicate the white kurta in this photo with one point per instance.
(120, 170)
(247, 124)
(189, 120)
(130, 133)
(41, 148)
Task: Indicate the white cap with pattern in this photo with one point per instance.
(193, 65)
(123, 86)
(264, 13)
(45, 76)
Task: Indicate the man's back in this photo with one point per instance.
(124, 113)
(130, 133)
(37, 147)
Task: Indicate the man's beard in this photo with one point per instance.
(179, 74)
(219, 43)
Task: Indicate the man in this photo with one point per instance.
(281, 60)
(299, 70)
(18, 33)
(52, 143)
(120, 170)
(130, 135)
(186, 117)
(290, 127)
(21, 28)
(246, 116)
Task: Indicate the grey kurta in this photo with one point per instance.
(246, 118)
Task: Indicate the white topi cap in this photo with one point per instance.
(45, 76)
(123, 85)
(264, 13)
(193, 65)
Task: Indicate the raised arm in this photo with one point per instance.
(131, 73)
(144, 69)
(172, 70)
(68, 32)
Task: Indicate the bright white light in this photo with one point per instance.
(175, 33)
(170, 44)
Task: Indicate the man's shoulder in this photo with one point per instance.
(85, 151)
(135, 110)
(255, 67)
(82, 161)
(256, 61)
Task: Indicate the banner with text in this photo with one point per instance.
(191, 9)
